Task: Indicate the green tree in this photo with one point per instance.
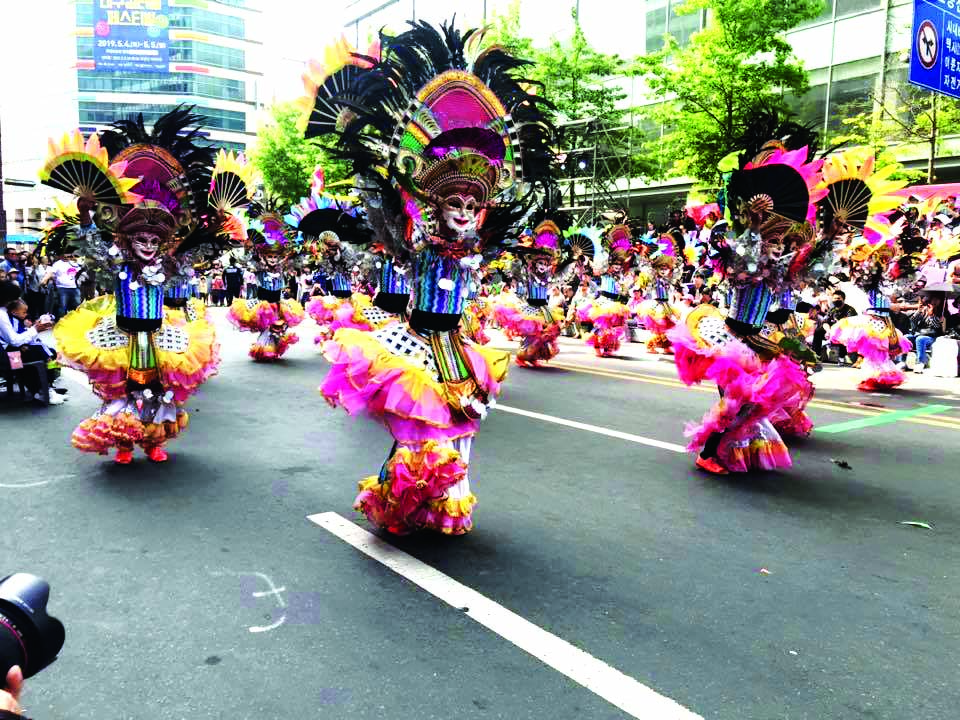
(738, 65)
(286, 160)
(598, 142)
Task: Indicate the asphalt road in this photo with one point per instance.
(199, 589)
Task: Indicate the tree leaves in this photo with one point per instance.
(738, 66)
(286, 160)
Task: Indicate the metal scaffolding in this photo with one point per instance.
(593, 157)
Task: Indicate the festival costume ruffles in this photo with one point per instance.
(874, 338)
(174, 361)
(753, 391)
(447, 185)
(392, 375)
(657, 314)
(609, 312)
(534, 321)
(162, 200)
(269, 315)
(748, 358)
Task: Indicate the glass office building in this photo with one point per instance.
(854, 50)
(215, 62)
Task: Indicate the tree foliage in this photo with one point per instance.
(739, 65)
(576, 78)
(286, 160)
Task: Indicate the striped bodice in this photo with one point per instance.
(440, 284)
(136, 299)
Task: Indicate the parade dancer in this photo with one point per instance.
(453, 159)
(535, 322)
(609, 313)
(858, 199)
(657, 314)
(872, 335)
(770, 196)
(272, 249)
(157, 196)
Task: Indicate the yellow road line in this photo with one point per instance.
(949, 423)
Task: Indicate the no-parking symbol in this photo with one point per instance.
(928, 44)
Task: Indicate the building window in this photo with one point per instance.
(656, 24)
(849, 7)
(229, 146)
(200, 20)
(682, 26)
(810, 106)
(206, 54)
(84, 48)
(174, 83)
(850, 97)
(825, 15)
(105, 113)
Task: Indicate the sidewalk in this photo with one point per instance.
(634, 357)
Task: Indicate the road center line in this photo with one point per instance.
(673, 447)
(884, 419)
(622, 691)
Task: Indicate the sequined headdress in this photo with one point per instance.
(438, 116)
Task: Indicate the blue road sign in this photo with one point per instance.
(935, 56)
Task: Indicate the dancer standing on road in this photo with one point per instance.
(273, 249)
(535, 321)
(609, 313)
(770, 196)
(454, 141)
(158, 195)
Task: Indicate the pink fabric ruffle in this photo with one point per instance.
(606, 341)
(856, 339)
(275, 350)
(413, 410)
(519, 324)
(721, 364)
(319, 311)
(541, 346)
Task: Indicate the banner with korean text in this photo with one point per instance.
(131, 35)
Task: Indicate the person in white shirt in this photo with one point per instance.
(26, 342)
(64, 274)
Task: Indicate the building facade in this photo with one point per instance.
(215, 63)
(855, 50)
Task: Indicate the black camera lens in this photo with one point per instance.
(28, 636)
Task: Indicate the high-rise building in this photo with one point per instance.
(214, 63)
(214, 60)
(855, 50)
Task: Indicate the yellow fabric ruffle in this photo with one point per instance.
(415, 379)
(76, 350)
(607, 309)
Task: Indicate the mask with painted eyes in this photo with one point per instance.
(462, 216)
(145, 246)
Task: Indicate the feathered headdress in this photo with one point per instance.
(327, 219)
(437, 116)
(166, 179)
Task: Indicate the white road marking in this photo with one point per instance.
(623, 691)
(274, 592)
(38, 483)
(673, 447)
